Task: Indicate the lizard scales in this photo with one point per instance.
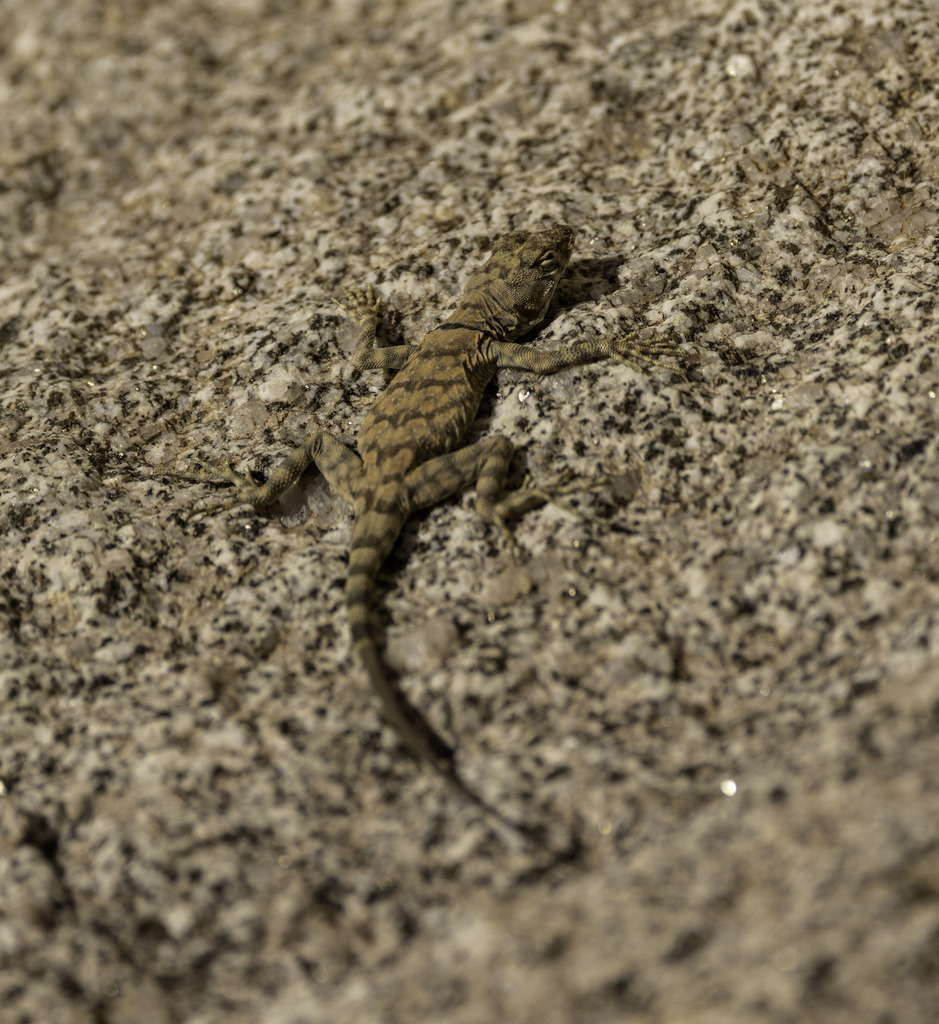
(409, 454)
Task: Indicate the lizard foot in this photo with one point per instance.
(360, 306)
(645, 355)
(562, 486)
(247, 492)
(531, 496)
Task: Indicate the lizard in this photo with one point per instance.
(409, 445)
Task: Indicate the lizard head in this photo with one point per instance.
(517, 283)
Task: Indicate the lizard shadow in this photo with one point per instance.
(586, 280)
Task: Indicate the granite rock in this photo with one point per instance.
(718, 690)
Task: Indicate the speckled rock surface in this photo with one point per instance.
(721, 699)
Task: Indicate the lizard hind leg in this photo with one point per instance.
(339, 464)
(485, 463)
(501, 508)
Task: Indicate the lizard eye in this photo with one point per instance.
(548, 260)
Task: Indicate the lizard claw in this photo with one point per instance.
(562, 486)
(531, 495)
(200, 471)
(360, 305)
(644, 355)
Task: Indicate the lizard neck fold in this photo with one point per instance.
(497, 312)
(475, 317)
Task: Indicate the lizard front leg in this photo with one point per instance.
(629, 349)
(363, 309)
(485, 463)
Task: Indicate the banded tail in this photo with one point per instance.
(373, 536)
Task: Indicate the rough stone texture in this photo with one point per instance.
(726, 692)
